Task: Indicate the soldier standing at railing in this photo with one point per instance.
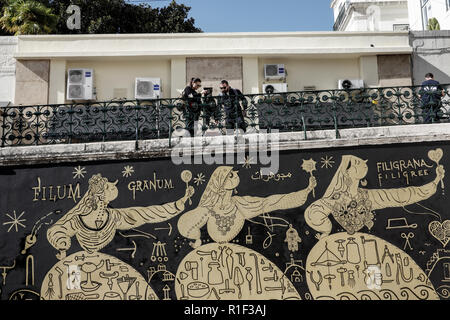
(192, 109)
(231, 102)
(431, 94)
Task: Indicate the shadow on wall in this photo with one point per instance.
(422, 67)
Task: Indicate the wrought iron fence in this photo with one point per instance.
(162, 118)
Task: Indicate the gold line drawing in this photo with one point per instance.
(436, 156)
(79, 172)
(139, 233)
(292, 239)
(94, 225)
(127, 171)
(167, 275)
(440, 231)
(407, 236)
(327, 162)
(25, 295)
(133, 250)
(169, 228)
(15, 221)
(29, 264)
(394, 273)
(249, 237)
(4, 273)
(200, 179)
(224, 215)
(159, 252)
(352, 206)
(248, 161)
(309, 166)
(399, 223)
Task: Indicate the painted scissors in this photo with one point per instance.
(408, 236)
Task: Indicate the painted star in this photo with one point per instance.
(79, 172)
(247, 162)
(327, 162)
(128, 171)
(200, 179)
(15, 221)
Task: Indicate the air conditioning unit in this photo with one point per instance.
(80, 84)
(273, 88)
(348, 84)
(274, 71)
(147, 88)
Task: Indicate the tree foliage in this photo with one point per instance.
(28, 17)
(118, 16)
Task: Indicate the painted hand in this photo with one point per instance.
(312, 183)
(196, 244)
(189, 193)
(61, 255)
(440, 173)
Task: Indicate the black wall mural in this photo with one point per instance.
(350, 223)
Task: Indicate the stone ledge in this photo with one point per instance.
(121, 150)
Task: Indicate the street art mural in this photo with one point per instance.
(367, 223)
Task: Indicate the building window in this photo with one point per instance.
(426, 11)
(401, 27)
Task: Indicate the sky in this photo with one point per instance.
(259, 15)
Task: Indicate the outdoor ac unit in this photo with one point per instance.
(272, 88)
(147, 88)
(274, 71)
(80, 84)
(350, 84)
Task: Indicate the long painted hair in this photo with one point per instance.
(91, 199)
(215, 190)
(59, 234)
(341, 181)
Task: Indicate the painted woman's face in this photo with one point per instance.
(358, 169)
(232, 181)
(111, 191)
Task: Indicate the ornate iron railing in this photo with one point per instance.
(287, 112)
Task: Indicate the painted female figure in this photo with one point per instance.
(94, 225)
(349, 265)
(352, 205)
(239, 272)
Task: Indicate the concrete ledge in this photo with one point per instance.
(121, 150)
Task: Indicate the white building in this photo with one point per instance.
(389, 15)
(370, 15)
(310, 60)
(421, 10)
(8, 47)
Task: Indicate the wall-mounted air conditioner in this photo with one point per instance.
(348, 84)
(273, 88)
(274, 71)
(147, 88)
(80, 84)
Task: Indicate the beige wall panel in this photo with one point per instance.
(212, 70)
(394, 70)
(32, 82)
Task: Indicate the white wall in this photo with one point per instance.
(321, 73)
(431, 55)
(8, 46)
(374, 15)
(438, 11)
(121, 73)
